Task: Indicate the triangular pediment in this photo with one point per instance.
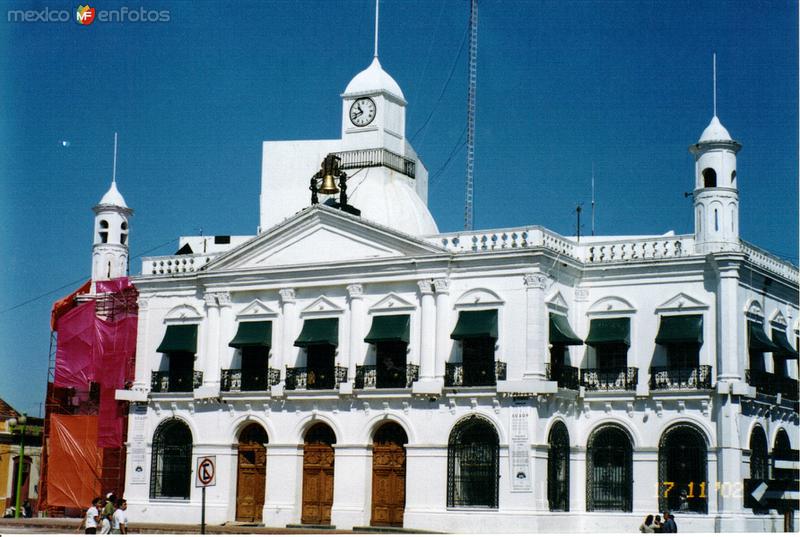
(256, 310)
(778, 319)
(392, 302)
(681, 302)
(183, 312)
(320, 235)
(322, 305)
(557, 303)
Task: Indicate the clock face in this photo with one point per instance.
(362, 111)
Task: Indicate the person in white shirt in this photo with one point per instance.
(93, 516)
(120, 523)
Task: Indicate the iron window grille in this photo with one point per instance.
(164, 382)
(682, 471)
(304, 378)
(680, 378)
(609, 471)
(565, 375)
(235, 380)
(473, 465)
(479, 375)
(610, 379)
(171, 463)
(558, 468)
(367, 377)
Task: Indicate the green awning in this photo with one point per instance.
(786, 350)
(680, 329)
(319, 332)
(617, 330)
(476, 324)
(253, 334)
(758, 340)
(179, 338)
(561, 333)
(389, 328)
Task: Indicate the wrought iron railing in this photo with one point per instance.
(770, 383)
(368, 158)
(159, 382)
(367, 377)
(565, 375)
(304, 378)
(610, 379)
(233, 380)
(457, 375)
(680, 378)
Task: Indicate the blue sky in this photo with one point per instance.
(561, 85)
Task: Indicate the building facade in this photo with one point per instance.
(356, 370)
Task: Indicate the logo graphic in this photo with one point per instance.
(85, 14)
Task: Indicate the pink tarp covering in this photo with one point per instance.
(112, 286)
(91, 349)
(76, 347)
(74, 461)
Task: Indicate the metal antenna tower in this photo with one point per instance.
(473, 73)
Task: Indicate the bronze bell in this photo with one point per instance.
(328, 185)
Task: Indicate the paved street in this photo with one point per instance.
(69, 525)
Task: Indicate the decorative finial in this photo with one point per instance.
(377, 9)
(114, 173)
(715, 83)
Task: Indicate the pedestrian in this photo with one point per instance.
(669, 523)
(648, 526)
(657, 524)
(108, 513)
(93, 516)
(27, 510)
(120, 522)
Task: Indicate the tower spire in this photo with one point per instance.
(377, 10)
(714, 62)
(114, 172)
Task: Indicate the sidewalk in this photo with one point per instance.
(70, 525)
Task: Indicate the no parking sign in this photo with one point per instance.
(206, 475)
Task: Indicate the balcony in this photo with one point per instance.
(160, 382)
(610, 379)
(457, 375)
(232, 380)
(772, 384)
(367, 377)
(566, 376)
(303, 378)
(368, 158)
(680, 378)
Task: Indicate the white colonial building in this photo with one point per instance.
(356, 370)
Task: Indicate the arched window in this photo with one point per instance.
(782, 451)
(682, 470)
(733, 177)
(716, 220)
(609, 470)
(759, 461)
(103, 231)
(171, 465)
(473, 458)
(558, 468)
(709, 178)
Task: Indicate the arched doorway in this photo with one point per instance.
(388, 475)
(682, 463)
(171, 465)
(318, 475)
(609, 469)
(759, 462)
(251, 473)
(473, 464)
(558, 468)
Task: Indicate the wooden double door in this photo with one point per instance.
(318, 463)
(388, 476)
(251, 477)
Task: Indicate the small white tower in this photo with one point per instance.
(716, 194)
(110, 249)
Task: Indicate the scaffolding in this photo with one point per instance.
(113, 303)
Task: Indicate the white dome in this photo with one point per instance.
(374, 79)
(385, 198)
(715, 132)
(113, 197)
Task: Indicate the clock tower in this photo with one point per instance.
(374, 112)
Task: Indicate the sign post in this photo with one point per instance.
(206, 477)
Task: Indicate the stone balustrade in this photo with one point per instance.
(175, 264)
(770, 262)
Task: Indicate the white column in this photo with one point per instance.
(443, 341)
(356, 352)
(287, 351)
(427, 333)
(225, 331)
(729, 317)
(350, 503)
(283, 499)
(208, 360)
(141, 381)
(536, 326)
